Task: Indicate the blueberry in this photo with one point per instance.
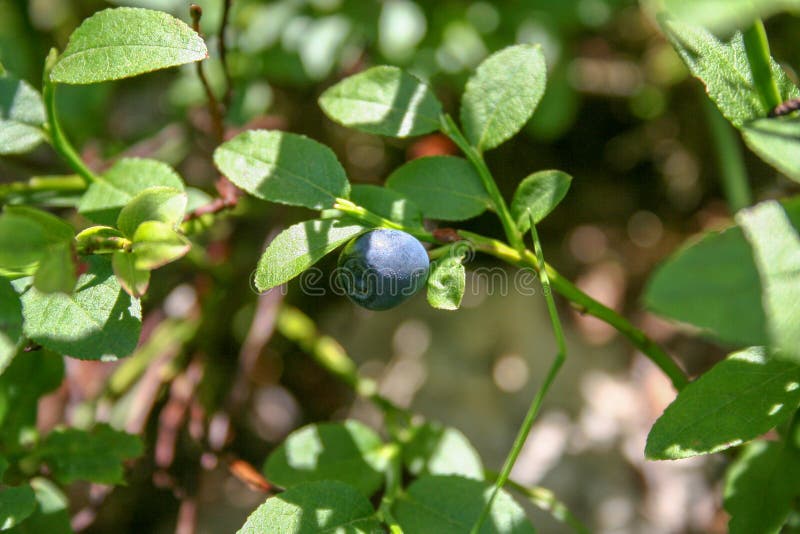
(382, 268)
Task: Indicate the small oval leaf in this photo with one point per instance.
(123, 42)
(538, 194)
(163, 204)
(385, 101)
(446, 282)
(503, 94)
(444, 187)
(299, 247)
(283, 167)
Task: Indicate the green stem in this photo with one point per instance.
(756, 46)
(584, 303)
(729, 158)
(38, 185)
(451, 130)
(362, 214)
(60, 142)
(536, 404)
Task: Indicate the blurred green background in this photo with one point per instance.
(620, 114)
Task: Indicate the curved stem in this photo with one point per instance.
(449, 128)
(536, 404)
(584, 303)
(60, 142)
(756, 46)
(729, 159)
(362, 214)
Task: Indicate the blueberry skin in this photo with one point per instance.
(382, 268)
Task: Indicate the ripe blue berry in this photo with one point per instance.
(382, 268)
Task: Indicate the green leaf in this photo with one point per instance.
(776, 248)
(326, 506)
(56, 229)
(56, 272)
(127, 178)
(694, 286)
(22, 244)
(438, 450)
(164, 204)
(739, 399)
(299, 247)
(725, 70)
(51, 514)
(41, 372)
(21, 117)
(723, 16)
(98, 322)
(451, 505)
(133, 281)
(10, 323)
(761, 486)
(385, 101)
(446, 282)
(156, 244)
(349, 452)
(16, 504)
(538, 194)
(27, 235)
(502, 95)
(94, 456)
(388, 204)
(124, 42)
(444, 187)
(283, 167)
(776, 141)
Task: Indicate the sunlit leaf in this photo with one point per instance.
(385, 101)
(443, 187)
(283, 167)
(348, 452)
(739, 399)
(299, 247)
(124, 42)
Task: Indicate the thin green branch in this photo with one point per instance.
(756, 46)
(42, 187)
(59, 141)
(584, 303)
(536, 404)
(451, 130)
(361, 214)
(730, 160)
